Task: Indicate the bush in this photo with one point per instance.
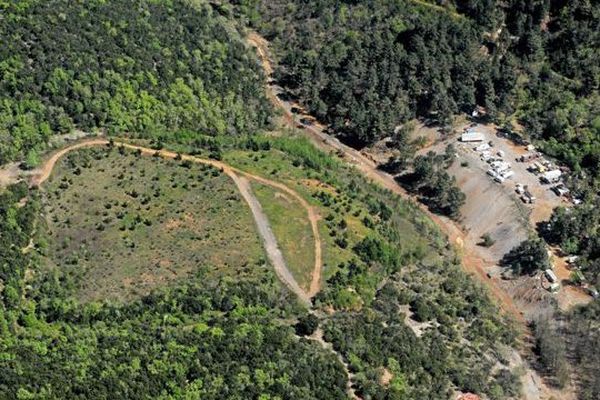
(32, 159)
(528, 257)
(307, 325)
(342, 242)
(486, 240)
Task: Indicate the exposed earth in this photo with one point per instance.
(476, 260)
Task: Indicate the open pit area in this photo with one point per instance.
(497, 209)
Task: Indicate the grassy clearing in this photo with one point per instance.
(292, 229)
(347, 203)
(123, 224)
(359, 219)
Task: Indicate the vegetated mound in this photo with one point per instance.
(382, 258)
(120, 224)
(393, 297)
(129, 66)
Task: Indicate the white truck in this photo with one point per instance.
(482, 147)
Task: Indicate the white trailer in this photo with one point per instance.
(492, 173)
(482, 147)
(552, 176)
(551, 276)
(500, 166)
(519, 188)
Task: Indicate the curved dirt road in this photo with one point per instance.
(313, 217)
(270, 242)
(43, 172)
(240, 179)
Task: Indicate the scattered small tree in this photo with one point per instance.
(486, 240)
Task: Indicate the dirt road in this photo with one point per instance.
(42, 174)
(240, 178)
(472, 260)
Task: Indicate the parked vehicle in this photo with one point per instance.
(507, 174)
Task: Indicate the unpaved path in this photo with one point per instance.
(472, 259)
(10, 173)
(240, 178)
(317, 336)
(42, 174)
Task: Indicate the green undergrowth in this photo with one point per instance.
(121, 224)
(289, 222)
(398, 298)
(393, 296)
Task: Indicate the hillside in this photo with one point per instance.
(381, 261)
(221, 230)
(140, 67)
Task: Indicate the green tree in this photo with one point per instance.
(528, 257)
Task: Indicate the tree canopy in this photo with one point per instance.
(129, 67)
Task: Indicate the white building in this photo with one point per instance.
(472, 136)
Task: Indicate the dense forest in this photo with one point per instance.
(366, 67)
(136, 67)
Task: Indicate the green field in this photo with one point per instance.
(124, 224)
(292, 229)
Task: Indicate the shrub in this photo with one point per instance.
(486, 240)
(307, 325)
